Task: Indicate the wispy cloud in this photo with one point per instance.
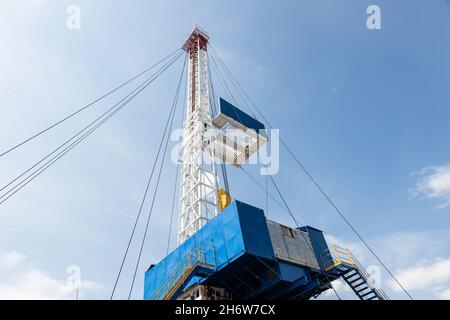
(422, 272)
(22, 279)
(444, 294)
(356, 248)
(434, 183)
(340, 287)
(118, 146)
(431, 276)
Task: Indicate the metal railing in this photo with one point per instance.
(338, 256)
(202, 255)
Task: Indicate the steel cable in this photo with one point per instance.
(140, 207)
(102, 119)
(85, 107)
(174, 106)
(316, 184)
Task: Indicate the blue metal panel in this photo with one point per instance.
(244, 253)
(319, 245)
(240, 116)
(226, 235)
(255, 232)
(291, 272)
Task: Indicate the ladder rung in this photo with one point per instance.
(353, 282)
(358, 285)
(368, 295)
(354, 278)
(362, 292)
(361, 287)
(351, 273)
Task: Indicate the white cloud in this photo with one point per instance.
(444, 294)
(21, 279)
(401, 249)
(431, 276)
(341, 288)
(420, 271)
(334, 89)
(434, 183)
(118, 146)
(355, 248)
(11, 259)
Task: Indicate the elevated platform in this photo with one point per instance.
(240, 135)
(250, 259)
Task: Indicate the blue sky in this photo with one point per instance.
(367, 112)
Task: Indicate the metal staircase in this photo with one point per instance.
(342, 263)
(199, 262)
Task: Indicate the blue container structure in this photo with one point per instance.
(235, 251)
(239, 116)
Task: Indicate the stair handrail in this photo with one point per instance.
(336, 255)
(340, 255)
(367, 278)
(200, 255)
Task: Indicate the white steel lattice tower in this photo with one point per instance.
(198, 175)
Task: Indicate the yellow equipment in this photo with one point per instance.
(223, 198)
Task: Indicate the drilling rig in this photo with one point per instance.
(228, 249)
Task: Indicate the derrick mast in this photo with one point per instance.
(198, 175)
(238, 253)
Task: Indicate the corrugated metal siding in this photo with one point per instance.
(292, 245)
(239, 228)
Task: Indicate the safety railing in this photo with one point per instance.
(338, 256)
(202, 255)
(367, 278)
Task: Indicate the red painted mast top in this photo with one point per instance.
(197, 36)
